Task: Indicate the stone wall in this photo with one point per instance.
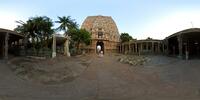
(106, 25)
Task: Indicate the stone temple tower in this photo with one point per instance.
(104, 33)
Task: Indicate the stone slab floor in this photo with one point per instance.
(108, 79)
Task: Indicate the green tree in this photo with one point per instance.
(43, 29)
(148, 38)
(27, 29)
(66, 23)
(80, 36)
(125, 37)
(39, 28)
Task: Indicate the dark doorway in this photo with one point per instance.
(101, 44)
(173, 46)
(2, 46)
(192, 41)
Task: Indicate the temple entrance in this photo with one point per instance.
(101, 44)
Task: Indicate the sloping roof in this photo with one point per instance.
(190, 30)
(10, 32)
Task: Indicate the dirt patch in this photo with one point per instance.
(50, 71)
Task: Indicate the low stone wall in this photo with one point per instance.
(45, 52)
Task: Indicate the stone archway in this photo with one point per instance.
(101, 44)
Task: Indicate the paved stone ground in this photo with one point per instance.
(108, 79)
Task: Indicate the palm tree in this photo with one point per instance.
(66, 24)
(27, 29)
(42, 29)
(36, 27)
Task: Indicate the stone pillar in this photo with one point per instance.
(136, 48)
(118, 49)
(180, 46)
(152, 47)
(147, 45)
(18, 42)
(126, 49)
(186, 52)
(129, 48)
(141, 47)
(167, 44)
(6, 46)
(122, 48)
(66, 47)
(163, 47)
(54, 46)
(158, 47)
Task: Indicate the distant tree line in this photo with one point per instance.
(125, 37)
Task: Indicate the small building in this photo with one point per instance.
(184, 44)
(146, 46)
(10, 43)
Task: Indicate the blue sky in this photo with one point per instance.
(139, 18)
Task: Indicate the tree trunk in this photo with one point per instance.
(78, 43)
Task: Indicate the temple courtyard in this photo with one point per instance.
(100, 78)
